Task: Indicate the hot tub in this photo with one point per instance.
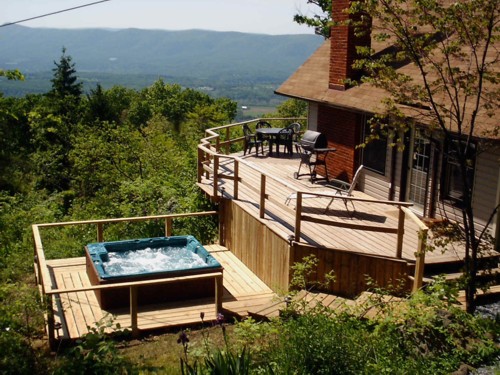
(166, 257)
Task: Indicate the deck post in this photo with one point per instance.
(100, 232)
(133, 311)
(219, 291)
(51, 326)
(199, 165)
(168, 226)
(420, 264)
(298, 214)
(236, 178)
(262, 211)
(222, 215)
(401, 232)
(228, 144)
(216, 173)
(217, 143)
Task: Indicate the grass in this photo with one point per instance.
(161, 353)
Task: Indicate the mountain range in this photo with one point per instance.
(202, 54)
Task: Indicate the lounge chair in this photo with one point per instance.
(344, 188)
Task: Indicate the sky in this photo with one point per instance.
(249, 16)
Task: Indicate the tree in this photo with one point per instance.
(320, 22)
(452, 47)
(53, 123)
(64, 82)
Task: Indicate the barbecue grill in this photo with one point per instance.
(313, 150)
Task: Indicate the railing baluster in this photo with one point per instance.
(298, 215)
(401, 232)
(133, 311)
(219, 291)
(100, 232)
(51, 326)
(216, 175)
(262, 211)
(168, 227)
(420, 264)
(236, 178)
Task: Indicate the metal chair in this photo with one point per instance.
(251, 140)
(344, 188)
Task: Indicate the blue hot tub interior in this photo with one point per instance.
(99, 253)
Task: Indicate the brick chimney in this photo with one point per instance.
(343, 46)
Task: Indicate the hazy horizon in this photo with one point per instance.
(247, 16)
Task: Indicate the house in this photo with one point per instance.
(424, 173)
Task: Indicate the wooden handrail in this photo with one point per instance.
(129, 284)
(206, 147)
(421, 247)
(48, 292)
(123, 219)
(40, 255)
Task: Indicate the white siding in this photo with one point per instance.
(486, 186)
(485, 193)
(312, 116)
(376, 185)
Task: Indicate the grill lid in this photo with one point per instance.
(311, 140)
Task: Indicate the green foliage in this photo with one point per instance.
(64, 83)
(303, 271)
(222, 361)
(423, 335)
(20, 322)
(12, 75)
(96, 353)
(449, 51)
(322, 21)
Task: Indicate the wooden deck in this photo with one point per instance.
(75, 312)
(281, 218)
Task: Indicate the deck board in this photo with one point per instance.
(80, 310)
(281, 218)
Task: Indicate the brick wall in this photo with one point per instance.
(342, 129)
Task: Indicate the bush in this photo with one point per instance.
(96, 353)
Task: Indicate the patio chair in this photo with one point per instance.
(251, 140)
(285, 138)
(344, 188)
(263, 124)
(296, 126)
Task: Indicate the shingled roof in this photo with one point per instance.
(310, 82)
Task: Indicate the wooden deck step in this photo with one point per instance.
(303, 299)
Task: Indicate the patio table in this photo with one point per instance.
(271, 134)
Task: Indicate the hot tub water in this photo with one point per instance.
(151, 260)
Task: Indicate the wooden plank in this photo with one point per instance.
(81, 307)
(82, 303)
(67, 308)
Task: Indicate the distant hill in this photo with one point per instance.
(198, 54)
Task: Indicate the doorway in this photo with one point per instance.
(420, 160)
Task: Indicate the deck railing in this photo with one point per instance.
(209, 161)
(43, 278)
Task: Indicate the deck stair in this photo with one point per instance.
(365, 305)
(488, 270)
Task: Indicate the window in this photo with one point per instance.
(375, 152)
(453, 184)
